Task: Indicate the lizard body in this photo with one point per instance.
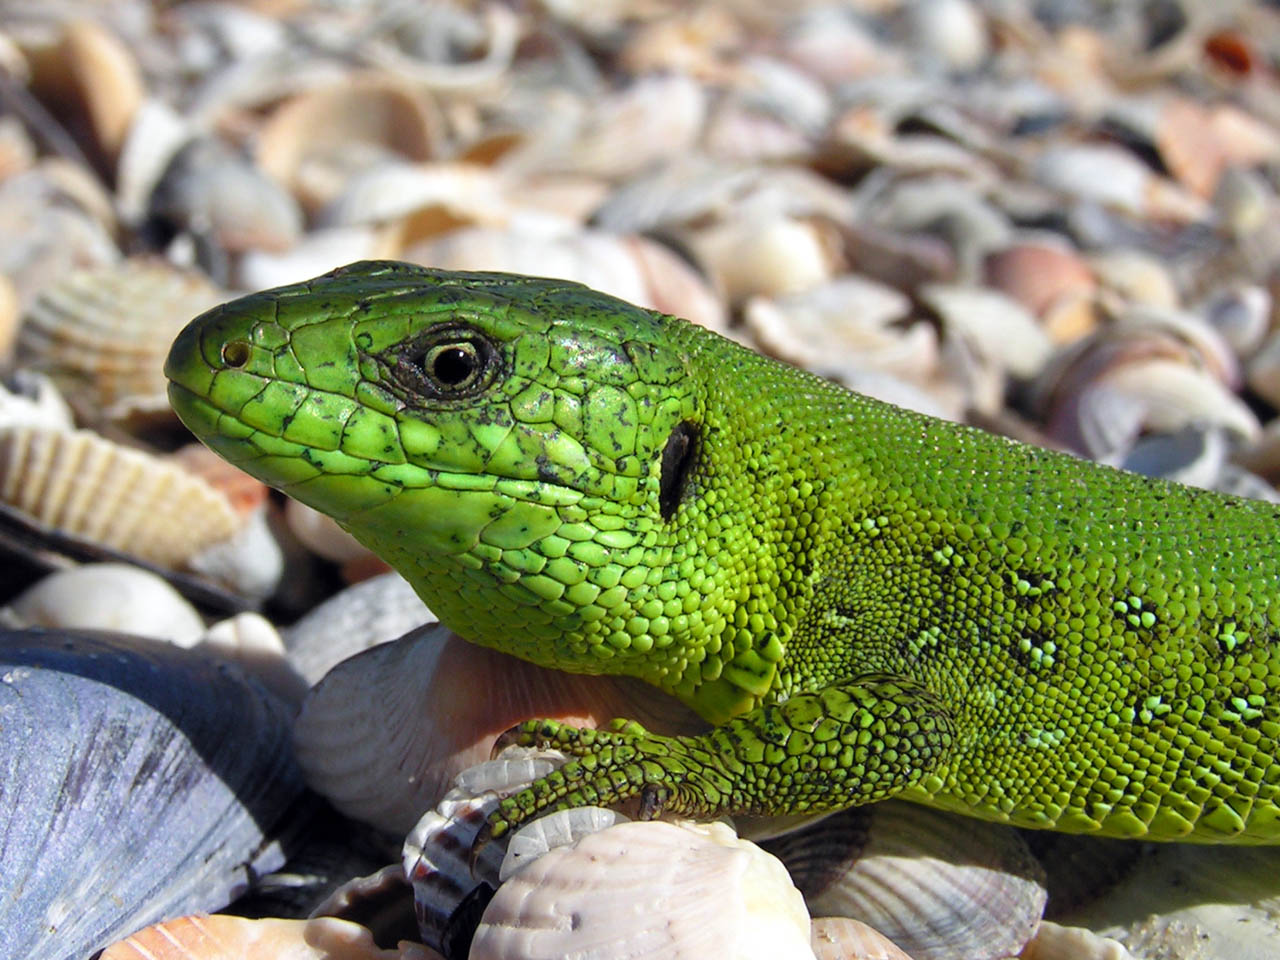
(866, 602)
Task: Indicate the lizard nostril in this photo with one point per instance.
(235, 353)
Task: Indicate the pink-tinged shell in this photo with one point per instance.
(1053, 941)
(219, 937)
(90, 488)
(648, 889)
(841, 938)
(385, 732)
(244, 493)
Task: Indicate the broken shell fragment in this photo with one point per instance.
(841, 938)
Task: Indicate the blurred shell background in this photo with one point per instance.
(1053, 219)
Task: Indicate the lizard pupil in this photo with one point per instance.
(454, 365)
(678, 458)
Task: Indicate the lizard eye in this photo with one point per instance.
(451, 363)
(452, 366)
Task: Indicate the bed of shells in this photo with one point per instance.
(1056, 219)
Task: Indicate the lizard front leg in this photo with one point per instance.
(849, 743)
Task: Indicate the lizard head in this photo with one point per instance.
(521, 450)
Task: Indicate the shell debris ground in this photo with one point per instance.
(1053, 218)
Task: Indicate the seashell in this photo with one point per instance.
(221, 937)
(90, 79)
(840, 938)
(950, 33)
(1263, 370)
(696, 42)
(245, 494)
(381, 901)
(1038, 275)
(212, 192)
(47, 232)
(156, 134)
(835, 45)
(768, 255)
(136, 768)
(938, 885)
(321, 534)
(449, 891)
(423, 199)
(361, 616)
(249, 562)
(107, 596)
(102, 334)
(90, 488)
(17, 152)
(313, 142)
(1115, 178)
(1053, 941)
(1243, 202)
(994, 325)
(1193, 455)
(385, 760)
(1184, 900)
(251, 642)
(717, 896)
(632, 268)
(848, 321)
(31, 400)
(1135, 276)
(317, 252)
(1241, 313)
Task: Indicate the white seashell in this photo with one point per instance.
(840, 938)
(634, 269)
(1053, 941)
(948, 31)
(156, 134)
(995, 326)
(939, 885)
(1115, 178)
(321, 534)
(222, 937)
(361, 616)
(849, 321)
(249, 562)
(90, 488)
(252, 642)
(32, 400)
(502, 30)
(1135, 276)
(835, 45)
(716, 895)
(103, 333)
(385, 759)
(317, 252)
(435, 197)
(108, 596)
(560, 829)
(769, 255)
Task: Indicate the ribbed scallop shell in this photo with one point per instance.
(939, 885)
(90, 488)
(102, 333)
(651, 889)
(386, 731)
(221, 937)
(141, 781)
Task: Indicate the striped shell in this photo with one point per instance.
(87, 487)
(102, 333)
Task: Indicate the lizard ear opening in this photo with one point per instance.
(678, 458)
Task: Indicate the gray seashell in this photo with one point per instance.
(375, 611)
(1241, 313)
(1115, 178)
(141, 781)
(939, 885)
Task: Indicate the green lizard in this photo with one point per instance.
(864, 601)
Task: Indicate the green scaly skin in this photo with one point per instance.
(866, 602)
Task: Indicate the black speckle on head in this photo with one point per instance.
(678, 458)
